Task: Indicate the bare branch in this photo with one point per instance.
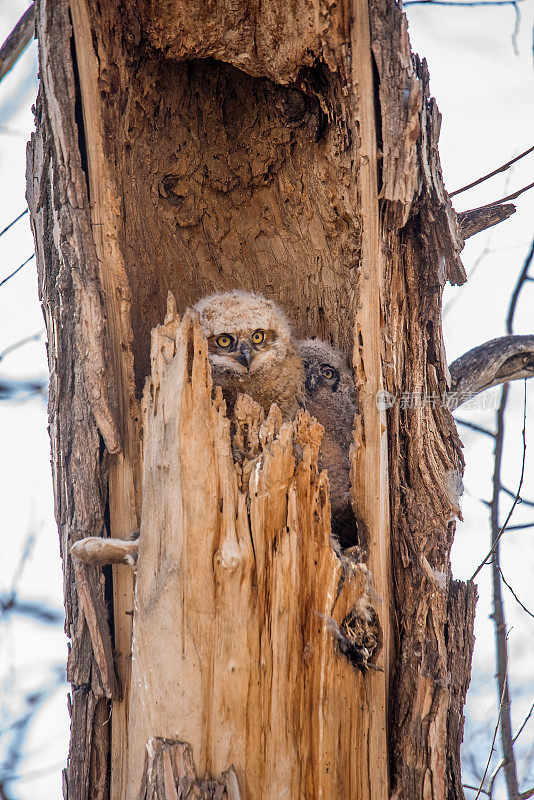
(502, 168)
(474, 427)
(521, 499)
(507, 358)
(508, 197)
(5, 280)
(13, 222)
(514, 595)
(10, 604)
(17, 41)
(492, 750)
(523, 278)
(501, 643)
(15, 730)
(521, 527)
(474, 788)
(508, 762)
(493, 777)
(524, 722)
(11, 389)
(496, 535)
(17, 345)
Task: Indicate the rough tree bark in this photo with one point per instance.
(290, 149)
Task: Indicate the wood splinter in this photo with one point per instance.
(170, 773)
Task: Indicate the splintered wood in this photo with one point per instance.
(170, 773)
(240, 595)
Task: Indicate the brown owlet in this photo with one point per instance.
(330, 395)
(251, 350)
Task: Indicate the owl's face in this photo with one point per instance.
(324, 366)
(242, 350)
(246, 333)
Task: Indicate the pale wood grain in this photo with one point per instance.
(232, 651)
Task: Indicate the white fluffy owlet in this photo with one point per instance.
(330, 395)
(251, 350)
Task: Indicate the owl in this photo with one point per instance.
(251, 350)
(330, 395)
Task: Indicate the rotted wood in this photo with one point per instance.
(241, 603)
(508, 358)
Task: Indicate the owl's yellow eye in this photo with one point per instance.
(224, 340)
(327, 373)
(258, 337)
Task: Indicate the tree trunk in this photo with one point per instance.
(290, 149)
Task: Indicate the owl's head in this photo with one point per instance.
(324, 367)
(246, 333)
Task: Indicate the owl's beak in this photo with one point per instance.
(245, 355)
(312, 382)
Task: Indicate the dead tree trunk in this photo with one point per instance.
(290, 149)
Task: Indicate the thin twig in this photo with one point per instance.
(523, 277)
(515, 32)
(501, 639)
(474, 788)
(480, 789)
(6, 279)
(474, 427)
(509, 197)
(493, 777)
(524, 722)
(491, 174)
(13, 222)
(521, 499)
(518, 493)
(17, 41)
(521, 527)
(514, 595)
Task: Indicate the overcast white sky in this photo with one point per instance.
(484, 91)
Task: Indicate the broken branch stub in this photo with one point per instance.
(238, 592)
